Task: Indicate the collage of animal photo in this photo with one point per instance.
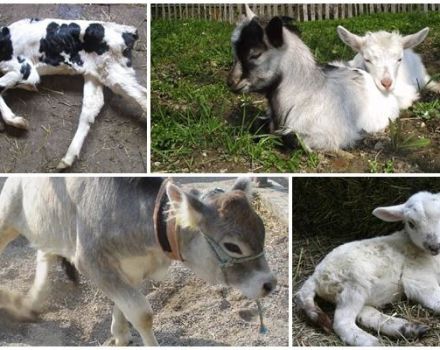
(202, 174)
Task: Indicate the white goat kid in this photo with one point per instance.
(389, 58)
(360, 276)
(329, 108)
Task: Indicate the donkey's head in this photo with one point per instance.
(257, 51)
(382, 52)
(222, 238)
(421, 215)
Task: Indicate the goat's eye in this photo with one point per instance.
(399, 60)
(255, 56)
(233, 248)
(411, 224)
(368, 61)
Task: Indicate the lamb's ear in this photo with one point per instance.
(274, 32)
(188, 210)
(390, 214)
(413, 40)
(244, 184)
(249, 13)
(350, 39)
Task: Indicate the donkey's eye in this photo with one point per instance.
(233, 248)
(411, 224)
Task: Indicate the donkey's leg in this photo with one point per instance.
(37, 294)
(93, 100)
(348, 307)
(392, 326)
(122, 80)
(120, 330)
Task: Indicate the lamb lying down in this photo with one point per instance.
(389, 58)
(362, 276)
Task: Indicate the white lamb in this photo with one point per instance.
(361, 276)
(389, 58)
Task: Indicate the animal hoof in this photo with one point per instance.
(116, 342)
(20, 123)
(62, 165)
(414, 331)
(27, 316)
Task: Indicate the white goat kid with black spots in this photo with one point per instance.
(100, 51)
(361, 276)
(389, 58)
(329, 108)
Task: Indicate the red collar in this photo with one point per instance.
(165, 227)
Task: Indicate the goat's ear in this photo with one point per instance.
(413, 40)
(350, 39)
(249, 13)
(244, 184)
(274, 32)
(390, 214)
(188, 210)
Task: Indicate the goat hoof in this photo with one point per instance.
(414, 331)
(62, 165)
(20, 123)
(116, 342)
(26, 315)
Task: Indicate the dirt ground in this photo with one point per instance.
(187, 310)
(117, 141)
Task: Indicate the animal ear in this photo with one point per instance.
(244, 184)
(390, 214)
(413, 40)
(249, 13)
(350, 39)
(188, 210)
(274, 32)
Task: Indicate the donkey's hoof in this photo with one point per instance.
(20, 123)
(62, 165)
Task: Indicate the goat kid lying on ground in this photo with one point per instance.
(394, 66)
(100, 51)
(328, 108)
(361, 276)
(119, 232)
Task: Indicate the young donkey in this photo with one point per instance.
(119, 231)
(361, 276)
(328, 107)
(100, 51)
(389, 58)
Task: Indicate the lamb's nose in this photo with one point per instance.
(386, 83)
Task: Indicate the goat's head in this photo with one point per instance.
(257, 51)
(421, 215)
(382, 52)
(224, 240)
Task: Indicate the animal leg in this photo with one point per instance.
(122, 80)
(93, 100)
(392, 326)
(348, 307)
(425, 292)
(37, 294)
(10, 118)
(121, 335)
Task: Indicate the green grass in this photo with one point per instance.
(199, 125)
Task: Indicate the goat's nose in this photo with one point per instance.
(386, 83)
(268, 287)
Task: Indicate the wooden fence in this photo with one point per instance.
(301, 12)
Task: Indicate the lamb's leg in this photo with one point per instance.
(426, 292)
(37, 294)
(122, 80)
(93, 100)
(392, 326)
(348, 307)
(7, 81)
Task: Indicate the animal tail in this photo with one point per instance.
(305, 300)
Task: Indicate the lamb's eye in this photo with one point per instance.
(399, 60)
(411, 224)
(233, 248)
(368, 61)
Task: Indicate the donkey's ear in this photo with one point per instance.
(350, 39)
(274, 32)
(244, 184)
(390, 214)
(188, 210)
(413, 40)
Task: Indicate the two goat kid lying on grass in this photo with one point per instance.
(330, 107)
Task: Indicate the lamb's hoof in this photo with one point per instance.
(20, 123)
(414, 330)
(62, 165)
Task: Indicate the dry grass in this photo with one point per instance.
(330, 212)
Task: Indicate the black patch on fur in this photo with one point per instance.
(94, 39)
(274, 32)
(61, 39)
(25, 70)
(6, 49)
(1, 88)
(20, 59)
(329, 67)
(70, 270)
(33, 19)
(129, 40)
